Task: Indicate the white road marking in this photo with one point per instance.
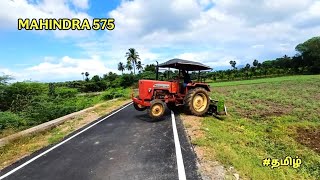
(181, 170)
(52, 148)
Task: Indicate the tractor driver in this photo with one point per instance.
(186, 78)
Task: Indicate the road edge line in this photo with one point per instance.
(181, 169)
(59, 144)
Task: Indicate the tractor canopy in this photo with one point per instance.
(184, 65)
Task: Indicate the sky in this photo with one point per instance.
(209, 31)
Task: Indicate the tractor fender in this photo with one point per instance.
(205, 86)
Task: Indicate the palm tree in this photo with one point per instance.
(139, 66)
(132, 57)
(129, 67)
(87, 76)
(121, 67)
(233, 64)
(255, 63)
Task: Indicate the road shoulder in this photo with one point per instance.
(208, 167)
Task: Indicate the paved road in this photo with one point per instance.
(121, 146)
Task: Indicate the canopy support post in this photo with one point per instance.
(157, 71)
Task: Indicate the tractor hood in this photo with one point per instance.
(146, 87)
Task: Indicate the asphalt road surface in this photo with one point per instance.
(121, 145)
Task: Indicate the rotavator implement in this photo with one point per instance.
(155, 95)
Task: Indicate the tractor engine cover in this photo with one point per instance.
(147, 88)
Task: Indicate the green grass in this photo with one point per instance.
(262, 80)
(264, 116)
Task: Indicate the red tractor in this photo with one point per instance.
(155, 95)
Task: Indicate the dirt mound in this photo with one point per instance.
(310, 138)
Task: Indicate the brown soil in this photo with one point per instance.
(273, 109)
(310, 138)
(193, 125)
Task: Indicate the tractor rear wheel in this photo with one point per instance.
(197, 101)
(157, 109)
(139, 107)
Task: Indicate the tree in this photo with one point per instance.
(51, 91)
(233, 64)
(255, 63)
(87, 76)
(132, 57)
(129, 67)
(4, 79)
(150, 67)
(95, 78)
(247, 70)
(121, 67)
(309, 50)
(139, 66)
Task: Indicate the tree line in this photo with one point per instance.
(306, 61)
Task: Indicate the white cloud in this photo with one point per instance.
(61, 69)
(210, 31)
(12, 10)
(211, 59)
(83, 4)
(264, 11)
(6, 71)
(235, 27)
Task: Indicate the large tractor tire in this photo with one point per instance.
(157, 109)
(197, 102)
(139, 107)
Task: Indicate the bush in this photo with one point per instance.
(42, 110)
(20, 90)
(10, 120)
(115, 93)
(65, 92)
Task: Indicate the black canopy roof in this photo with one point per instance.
(184, 65)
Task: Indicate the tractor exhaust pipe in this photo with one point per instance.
(157, 71)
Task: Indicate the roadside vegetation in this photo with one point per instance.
(26, 104)
(268, 118)
(24, 146)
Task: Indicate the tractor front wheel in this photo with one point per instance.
(197, 101)
(157, 109)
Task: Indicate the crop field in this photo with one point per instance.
(267, 118)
